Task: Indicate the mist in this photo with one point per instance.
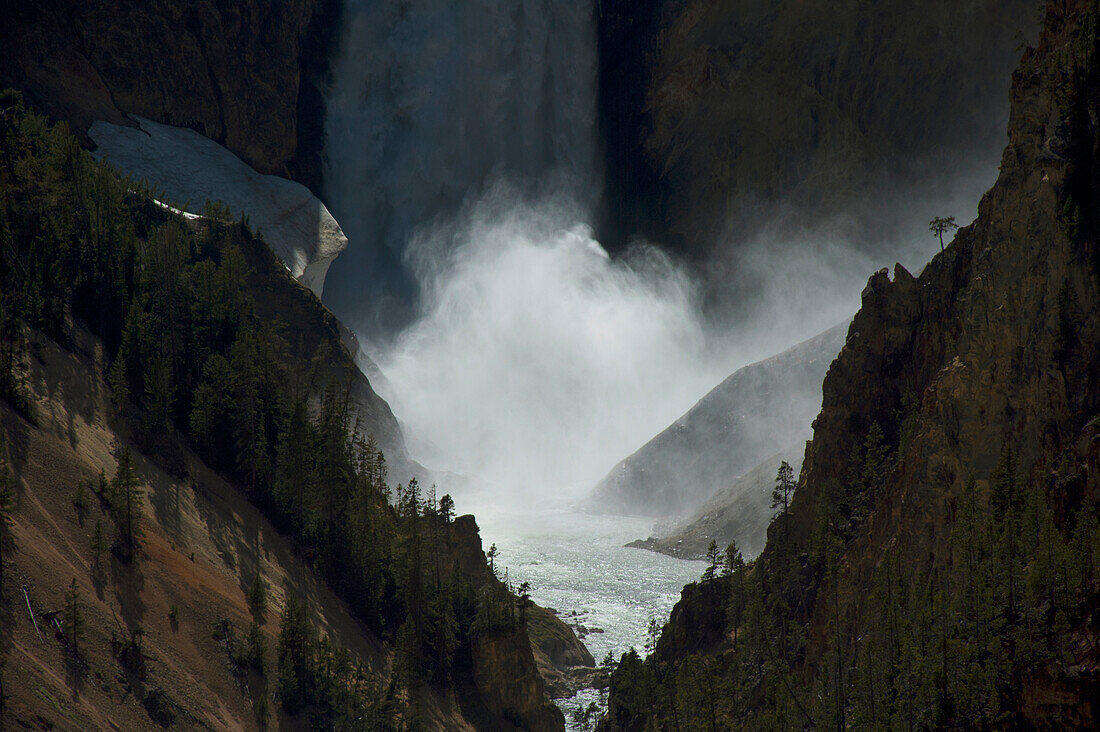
(536, 361)
(793, 277)
(431, 102)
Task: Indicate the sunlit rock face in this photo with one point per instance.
(189, 170)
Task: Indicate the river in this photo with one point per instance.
(576, 564)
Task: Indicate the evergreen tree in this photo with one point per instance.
(713, 561)
(257, 598)
(126, 503)
(784, 487)
(7, 502)
(446, 508)
(491, 555)
(735, 566)
(524, 600)
(74, 618)
(98, 545)
(257, 647)
(295, 657)
(652, 635)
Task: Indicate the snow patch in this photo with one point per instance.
(190, 169)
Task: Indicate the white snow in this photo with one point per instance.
(188, 170)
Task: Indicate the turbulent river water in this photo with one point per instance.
(577, 565)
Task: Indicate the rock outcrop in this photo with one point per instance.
(247, 74)
(725, 435)
(513, 670)
(191, 170)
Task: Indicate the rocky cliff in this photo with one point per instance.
(998, 339)
(558, 663)
(725, 435)
(937, 564)
(710, 108)
(247, 75)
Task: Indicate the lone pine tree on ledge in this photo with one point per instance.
(940, 226)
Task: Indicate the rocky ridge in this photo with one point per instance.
(976, 380)
(725, 435)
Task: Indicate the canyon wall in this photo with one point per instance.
(247, 75)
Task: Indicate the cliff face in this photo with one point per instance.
(513, 670)
(893, 570)
(710, 108)
(246, 75)
(999, 337)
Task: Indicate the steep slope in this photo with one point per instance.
(937, 565)
(727, 433)
(706, 105)
(186, 599)
(739, 513)
(207, 353)
(202, 547)
(246, 75)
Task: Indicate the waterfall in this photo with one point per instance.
(433, 102)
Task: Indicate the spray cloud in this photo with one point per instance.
(537, 361)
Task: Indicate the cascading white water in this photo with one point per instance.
(461, 149)
(433, 100)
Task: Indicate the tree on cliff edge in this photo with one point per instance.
(940, 226)
(784, 487)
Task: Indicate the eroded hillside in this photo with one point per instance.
(183, 418)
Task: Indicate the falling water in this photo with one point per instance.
(432, 102)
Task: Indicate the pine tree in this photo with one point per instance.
(446, 508)
(492, 555)
(295, 657)
(98, 545)
(126, 504)
(784, 487)
(735, 565)
(652, 635)
(74, 618)
(257, 647)
(257, 598)
(713, 561)
(7, 499)
(524, 598)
